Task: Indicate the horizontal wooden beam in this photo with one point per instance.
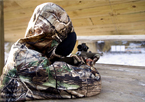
(112, 38)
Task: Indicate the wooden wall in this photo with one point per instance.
(89, 17)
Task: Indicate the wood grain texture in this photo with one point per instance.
(89, 17)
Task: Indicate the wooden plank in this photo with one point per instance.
(1, 37)
(122, 1)
(110, 27)
(68, 5)
(130, 18)
(96, 28)
(121, 8)
(124, 8)
(129, 8)
(85, 12)
(81, 4)
(16, 28)
(139, 17)
(10, 5)
(14, 36)
(101, 20)
(18, 14)
(18, 22)
(92, 11)
(131, 26)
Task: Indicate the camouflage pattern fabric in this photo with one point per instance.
(29, 74)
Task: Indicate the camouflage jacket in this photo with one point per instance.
(29, 74)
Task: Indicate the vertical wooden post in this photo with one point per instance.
(1, 37)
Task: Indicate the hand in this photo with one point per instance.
(91, 62)
(95, 59)
(78, 60)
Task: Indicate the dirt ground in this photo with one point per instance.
(119, 84)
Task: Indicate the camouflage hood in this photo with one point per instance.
(48, 24)
(30, 75)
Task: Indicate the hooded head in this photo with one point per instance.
(49, 27)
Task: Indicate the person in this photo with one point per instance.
(34, 69)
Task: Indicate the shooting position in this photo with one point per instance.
(38, 66)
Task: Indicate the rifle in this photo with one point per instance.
(82, 52)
